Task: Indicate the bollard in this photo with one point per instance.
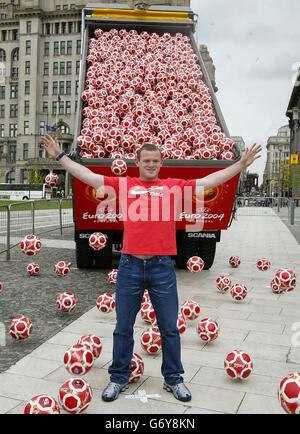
(8, 234)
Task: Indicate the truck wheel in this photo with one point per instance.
(207, 251)
(84, 255)
(104, 257)
(186, 248)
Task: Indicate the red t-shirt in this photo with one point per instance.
(149, 211)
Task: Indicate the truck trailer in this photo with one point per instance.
(218, 209)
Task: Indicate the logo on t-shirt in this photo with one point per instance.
(151, 191)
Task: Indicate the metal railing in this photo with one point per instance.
(36, 217)
(258, 205)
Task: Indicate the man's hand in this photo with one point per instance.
(51, 145)
(250, 155)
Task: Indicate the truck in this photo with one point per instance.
(218, 209)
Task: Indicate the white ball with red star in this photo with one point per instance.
(151, 340)
(42, 404)
(66, 301)
(30, 245)
(148, 313)
(239, 292)
(62, 268)
(119, 167)
(208, 329)
(263, 264)
(223, 283)
(93, 343)
(136, 367)
(106, 303)
(195, 264)
(234, 261)
(289, 393)
(75, 395)
(20, 327)
(97, 241)
(238, 365)
(112, 276)
(33, 269)
(190, 310)
(79, 359)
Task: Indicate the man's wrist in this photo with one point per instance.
(59, 156)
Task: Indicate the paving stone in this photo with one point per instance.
(32, 367)
(7, 404)
(257, 404)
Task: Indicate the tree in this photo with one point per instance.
(286, 176)
(37, 176)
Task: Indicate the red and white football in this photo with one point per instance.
(238, 365)
(289, 393)
(75, 395)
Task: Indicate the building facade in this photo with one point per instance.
(40, 43)
(239, 141)
(276, 174)
(293, 113)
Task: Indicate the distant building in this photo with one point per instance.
(293, 113)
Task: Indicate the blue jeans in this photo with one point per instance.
(156, 274)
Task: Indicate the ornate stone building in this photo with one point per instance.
(40, 44)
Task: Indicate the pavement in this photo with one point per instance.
(262, 325)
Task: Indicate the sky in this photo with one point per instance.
(255, 46)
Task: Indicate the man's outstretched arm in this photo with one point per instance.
(77, 170)
(224, 175)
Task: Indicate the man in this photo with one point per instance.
(148, 245)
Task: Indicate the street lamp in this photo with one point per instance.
(295, 124)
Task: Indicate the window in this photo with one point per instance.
(69, 47)
(45, 87)
(76, 87)
(13, 112)
(61, 87)
(28, 47)
(76, 106)
(12, 158)
(65, 7)
(56, 48)
(4, 35)
(15, 55)
(61, 107)
(64, 26)
(2, 55)
(15, 34)
(70, 27)
(2, 111)
(42, 128)
(45, 107)
(47, 29)
(26, 107)
(28, 26)
(2, 92)
(55, 68)
(46, 48)
(77, 67)
(46, 68)
(13, 130)
(64, 129)
(57, 7)
(13, 91)
(27, 87)
(68, 107)
(27, 67)
(63, 47)
(56, 27)
(11, 176)
(1, 130)
(78, 46)
(68, 87)
(54, 107)
(25, 151)
(24, 175)
(62, 68)
(72, 6)
(26, 128)
(54, 87)
(69, 68)
(14, 73)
